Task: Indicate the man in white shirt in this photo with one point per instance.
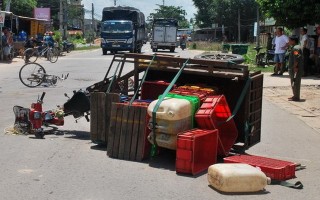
(281, 44)
(305, 51)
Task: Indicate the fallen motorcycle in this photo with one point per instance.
(31, 120)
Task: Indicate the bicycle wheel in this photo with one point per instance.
(30, 55)
(32, 74)
(54, 54)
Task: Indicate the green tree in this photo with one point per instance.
(21, 7)
(292, 13)
(225, 12)
(170, 12)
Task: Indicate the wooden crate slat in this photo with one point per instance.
(110, 98)
(97, 126)
(101, 117)
(124, 129)
(130, 124)
(135, 133)
(117, 132)
(142, 133)
(93, 117)
(113, 128)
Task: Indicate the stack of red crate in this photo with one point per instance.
(202, 93)
(213, 114)
(273, 168)
(196, 150)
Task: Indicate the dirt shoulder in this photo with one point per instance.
(308, 109)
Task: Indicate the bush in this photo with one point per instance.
(194, 46)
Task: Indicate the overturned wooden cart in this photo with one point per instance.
(124, 132)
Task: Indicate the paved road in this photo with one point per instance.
(69, 166)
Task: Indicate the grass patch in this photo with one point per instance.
(89, 47)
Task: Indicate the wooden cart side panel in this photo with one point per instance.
(255, 110)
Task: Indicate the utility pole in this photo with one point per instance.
(258, 27)
(115, 2)
(92, 23)
(239, 26)
(163, 2)
(61, 17)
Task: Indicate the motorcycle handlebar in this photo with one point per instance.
(42, 96)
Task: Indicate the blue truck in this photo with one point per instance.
(122, 29)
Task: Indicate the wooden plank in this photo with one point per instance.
(142, 133)
(123, 132)
(128, 141)
(117, 131)
(110, 98)
(101, 118)
(135, 133)
(93, 116)
(112, 129)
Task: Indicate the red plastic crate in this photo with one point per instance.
(273, 168)
(213, 114)
(152, 89)
(202, 93)
(196, 150)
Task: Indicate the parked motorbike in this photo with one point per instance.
(183, 45)
(31, 120)
(67, 46)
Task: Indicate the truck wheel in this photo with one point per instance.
(154, 50)
(172, 49)
(139, 50)
(104, 51)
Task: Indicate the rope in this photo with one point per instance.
(13, 130)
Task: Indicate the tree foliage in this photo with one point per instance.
(225, 12)
(170, 12)
(21, 7)
(292, 13)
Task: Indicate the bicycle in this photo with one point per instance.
(259, 56)
(33, 75)
(32, 54)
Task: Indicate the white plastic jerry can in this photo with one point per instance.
(237, 177)
(172, 117)
(167, 141)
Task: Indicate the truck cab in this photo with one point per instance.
(164, 34)
(122, 29)
(117, 35)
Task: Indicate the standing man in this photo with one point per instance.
(281, 44)
(295, 67)
(5, 45)
(305, 51)
(316, 55)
